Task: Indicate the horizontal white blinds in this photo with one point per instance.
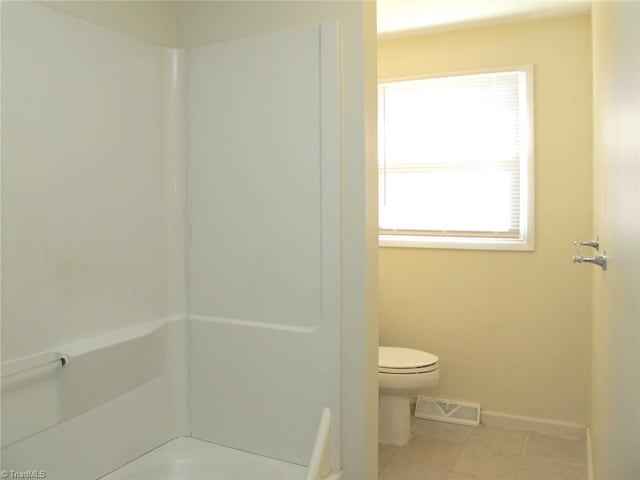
(451, 155)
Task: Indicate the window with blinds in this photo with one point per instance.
(455, 160)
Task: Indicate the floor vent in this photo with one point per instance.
(451, 411)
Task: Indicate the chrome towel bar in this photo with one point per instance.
(23, 364)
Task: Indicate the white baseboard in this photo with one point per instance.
(532, 424)
(589, 455)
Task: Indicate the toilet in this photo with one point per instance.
(402, 374)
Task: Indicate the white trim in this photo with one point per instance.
(533, 424)
(458, 243)
(527, 192)
(457, 73)
(331, 220)
(320, 463)
(589, 454)
(250, 323)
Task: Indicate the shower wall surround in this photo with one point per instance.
(265, 236)
(96, 237)
(91, 243)
(85, 180)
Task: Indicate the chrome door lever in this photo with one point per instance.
(597, 260)
(589, 243)
(600, 260)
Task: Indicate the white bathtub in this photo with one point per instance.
(121, 412)
(187, 458)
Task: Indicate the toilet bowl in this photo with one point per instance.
(402, 374)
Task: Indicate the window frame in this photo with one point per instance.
(526, 240)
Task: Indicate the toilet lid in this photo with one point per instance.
(405, 360)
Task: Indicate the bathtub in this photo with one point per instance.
(119, 410)
(187, 458)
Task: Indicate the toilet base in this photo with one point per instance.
(394, 419)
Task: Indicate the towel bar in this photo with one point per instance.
(32, 361)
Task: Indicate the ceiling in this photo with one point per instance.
(397, 17)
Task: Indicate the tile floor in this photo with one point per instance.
(443, 451)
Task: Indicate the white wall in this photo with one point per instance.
(91, 241)
(85, 204)
(615, 413)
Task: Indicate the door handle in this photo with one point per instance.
(600, 260)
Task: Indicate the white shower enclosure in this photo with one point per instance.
(173, 224)
(264, 275)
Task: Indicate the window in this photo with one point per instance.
(456, 162)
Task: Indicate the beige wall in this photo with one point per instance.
(511, 328)
(153, 21)
(615, 415)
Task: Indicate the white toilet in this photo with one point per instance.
(402, 374)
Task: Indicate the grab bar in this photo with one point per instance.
(32, 361)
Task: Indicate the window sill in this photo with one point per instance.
(455, 243)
